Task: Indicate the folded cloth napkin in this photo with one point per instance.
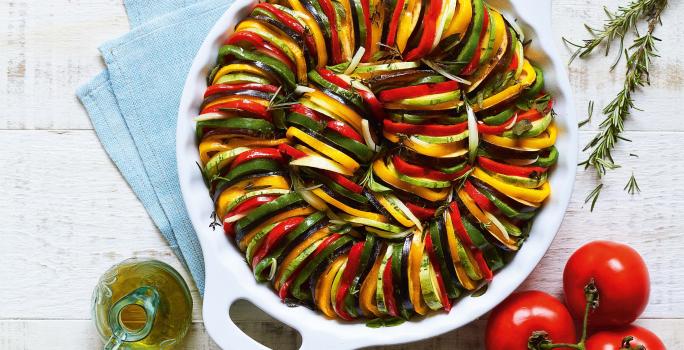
(133, 106)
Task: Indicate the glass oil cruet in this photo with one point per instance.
(142, 304)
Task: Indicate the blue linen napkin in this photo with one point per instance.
(133, 107)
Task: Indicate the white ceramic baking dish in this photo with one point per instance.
(228, 278)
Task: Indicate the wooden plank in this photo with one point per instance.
(81, 334)
(72, 216)
(49, 49)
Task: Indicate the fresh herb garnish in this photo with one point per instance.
(590, 113)
(385, 322)
(638, 59)
(521, 127)
(632, 186)
(593, 196)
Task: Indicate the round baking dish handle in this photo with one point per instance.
(219, 325)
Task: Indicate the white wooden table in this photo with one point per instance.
(66, 214)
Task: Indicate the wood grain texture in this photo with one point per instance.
(67, 214)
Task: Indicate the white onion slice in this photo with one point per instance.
(404, 209)
(209, 116)
(367, 136)
(515, 119)
(522, 161)
(443, 72)
(321, 163)
(301, 89)
(234, 218)
(355, 60)
(498, 224)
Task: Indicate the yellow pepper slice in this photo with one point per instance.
(328, 151)
(237, 190)
(407, 23)
(342, 112)
(453, 243)
(369, 287)
(415, 258)
(294, 253)
(397, 214)
(446, 150)
(381, 169)
(280, 40)
(310, 24)
(241, 67)
(349, 210)
(377, 21)
(542, 141)
(459, 24)
(225, 142)
(527, 78)
(535, 195)
(484, 220)
(303, 211)
(324, 286)
(225, 99)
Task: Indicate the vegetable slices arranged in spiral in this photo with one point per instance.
(376, 159)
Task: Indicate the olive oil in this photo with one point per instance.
(142, 304)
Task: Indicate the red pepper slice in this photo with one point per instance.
(219, 88)
(285, 288)
(394, 23)
(424, 129)
(290, 151)
(412, 170)
(260, 45)
(344, 130)
(303, 110)
(244, 104)
(388, 289)
(475, 61)
(335, 47)
(344, 182)
(292, 23)
(365, 5)
(417, 90)
(480, 199)
(420, 212)
(229, 227)
(506, 169)
(257, 153)
(458, 225)
(446, 303)
(495, 129)
(367, 96)
(531, 115)
(465, 238)
(278, 232)
(429, 23)
(350, 272)
(482, 263)
(514, 63)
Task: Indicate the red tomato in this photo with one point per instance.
(611, 339)
(621, 278)
(512, 323)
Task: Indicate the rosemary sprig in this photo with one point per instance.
(590, 113)
(638, 60)
(617, 26)
(632, 186)
(593, 196)
(639, 57)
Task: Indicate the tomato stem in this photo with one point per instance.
(540, 340)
